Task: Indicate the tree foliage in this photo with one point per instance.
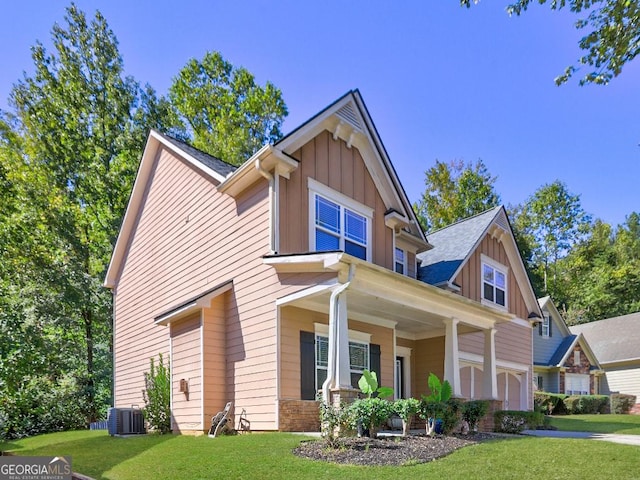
(69, 150)
(229, 115)
(601, 275)
(612, 39)
(454, 191)
(548, 225)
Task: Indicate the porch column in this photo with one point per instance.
(343, 365)
(489, 377)
(451, 357)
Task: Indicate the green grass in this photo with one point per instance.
(268, 456)
(625, 424)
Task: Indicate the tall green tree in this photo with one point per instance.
(548, 225)
(454, 191)
(229, 115)
(612, 39)
(72, 144)
(601, 275)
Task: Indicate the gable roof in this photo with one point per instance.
(565, 348)
(454, 245)
(546, 303)
(219, 166)
(347, 118)
(212, 167)
(614, 339)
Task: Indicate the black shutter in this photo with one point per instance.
(550, 323)
(540, 327)
(307, 366)
(374, 361)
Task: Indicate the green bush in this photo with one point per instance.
(448, 412)
(157, 396)
(372, 412)
(334, 421)
(473, 411)
(42, 405)
(549, 403)
(515, 421)
(622, 403)
(586, 404)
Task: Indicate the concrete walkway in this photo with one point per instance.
(607, 437)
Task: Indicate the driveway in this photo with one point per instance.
(607, 437)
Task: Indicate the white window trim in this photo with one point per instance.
(320, 329)
(317, 188)
(484, 259)
(576, 357)
(580, 376)
(405, 353)
(405, 254)
(545, 329)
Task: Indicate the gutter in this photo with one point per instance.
(333, 335)
(273, 210)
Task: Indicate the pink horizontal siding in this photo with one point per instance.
(186, 364)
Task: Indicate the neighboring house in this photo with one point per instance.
(286, 277)
(563, 362)
(616, 343)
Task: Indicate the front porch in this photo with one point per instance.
(407, 328)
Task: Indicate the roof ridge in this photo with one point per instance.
(464, 220)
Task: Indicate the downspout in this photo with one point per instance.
(333, 335)
(273, 210)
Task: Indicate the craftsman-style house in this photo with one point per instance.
(278, 282)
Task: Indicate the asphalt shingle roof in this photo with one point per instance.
(562, 349)
(451, 246)
(613, 339)
(215, 164)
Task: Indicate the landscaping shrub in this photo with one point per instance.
(622, 403)
(334, 421)
(157, 396)
(472, 411)
(515, 421)
(549, 403)
(372, 412)
(586, 404)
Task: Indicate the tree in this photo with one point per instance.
(601, 274)
(229, 115)
(71, 149)
(613, 39)
(455, 191)
(549, 223)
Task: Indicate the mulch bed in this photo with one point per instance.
(387, 451)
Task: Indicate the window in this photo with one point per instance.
(338, 222)
(545, 325)
(400, 261)
(494, 285)
(540, 382)
(358, 357)
(576, 357)
(575, 384)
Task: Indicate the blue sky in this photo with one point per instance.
(440, 81)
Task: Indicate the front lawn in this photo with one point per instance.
(625, 424)
(268, 455)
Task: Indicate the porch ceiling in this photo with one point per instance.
(378, 296)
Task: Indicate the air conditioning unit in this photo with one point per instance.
(125, 421)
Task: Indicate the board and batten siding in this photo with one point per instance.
(470, 277)
(188, 239)
(333, 164)
(186, 364)
(513, 343)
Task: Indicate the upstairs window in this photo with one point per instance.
(338, 222)
(494, 285)
(400, 261)
(545, 325)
